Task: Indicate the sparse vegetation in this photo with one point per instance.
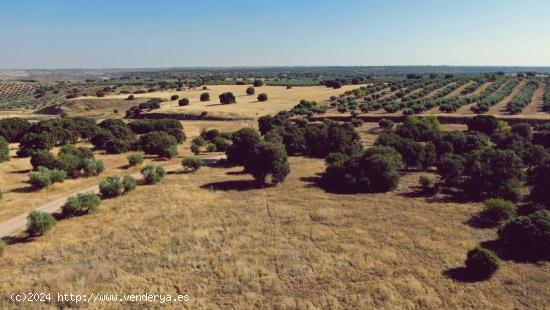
(39, 223)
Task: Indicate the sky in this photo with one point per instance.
(52, 34)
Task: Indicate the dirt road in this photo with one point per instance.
(18, 223)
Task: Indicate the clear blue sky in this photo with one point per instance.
(120, 33)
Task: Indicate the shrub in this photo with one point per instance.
(128, 183)
(374, 170)
(529, 235)
(111, 187)
(498, 210)
(451, 167)
(43, 177)
(159, 143)
(250, 91)
(174, 97)
(131, 97)
(38, 223)
(135, 159)
(93, 167)
(44, 159)
(4, 150)
(183, 102)
(57, 176)
(486, 124)
(195, 149)
(356, 122)
(205, 97)
(227, 98)
(482, 263)
(152, 174)
(262, 97)
(385, 123)
(426, 185)
(211, 147)
(80, 204)
(117, 146)
(191, 163)
(258, 83)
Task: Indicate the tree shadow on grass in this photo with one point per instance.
(22, 171)
(17, 239)
(234, 185)
(462, 274)
(24, 189)
(506, 253)
(242, 172)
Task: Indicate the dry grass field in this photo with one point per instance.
(20, 197)
(215, 237)
(280, 98)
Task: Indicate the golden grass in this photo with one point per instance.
(280, 98)
(236, 246)
(216, 237)
(20, 197)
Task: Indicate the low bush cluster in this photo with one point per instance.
(152, 174)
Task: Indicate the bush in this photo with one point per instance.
(128, 183)
(258, 83)
(205, 97)
(4, 150)
(356, 122)
(426, 185)
(44, 159)
(486, 124)
(159, 143)
(131, 97)
(152, 174)
(451, 167)
(57, 176)
(191, 163)
(183, 102)
(80, 204)
(38, 223)
(374, 170)
(135, 159)
(211, 147)
(262, 97)
(111, 187)
(227, 98)
(482, 263)
(250, 91)
(174, 97)
(93, 167)
(117, 146)
(529, 235)
(43, 177)
(385, 123)
(498, 210)
(195, 149)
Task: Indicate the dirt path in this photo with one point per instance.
(500, 108)
(535, 106)
(18, 223)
